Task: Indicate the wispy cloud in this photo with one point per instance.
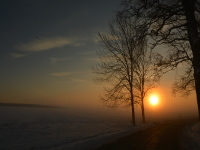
(54, 61)
(78, 44)
(91, 59)
(87, 53)
(73, 80)
(15, 55)
(61, 74)
(166, 27)
(43, 44)
(79, 80)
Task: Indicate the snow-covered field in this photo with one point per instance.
(55, 128)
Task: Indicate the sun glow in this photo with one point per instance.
(153, 99)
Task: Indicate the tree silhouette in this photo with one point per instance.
(120, 52)
(186, 83)
(146, 76)
(125, 65)
(176, 24)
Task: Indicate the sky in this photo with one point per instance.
(48, 48)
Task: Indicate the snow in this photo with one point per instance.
(54, 128)
(191, 137)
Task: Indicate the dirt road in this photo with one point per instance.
(164, 136)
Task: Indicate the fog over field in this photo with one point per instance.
(49, 128)
(47, 52)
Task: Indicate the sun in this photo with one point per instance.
(154, 99)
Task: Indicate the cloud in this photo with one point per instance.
(166, 27)
(55, 60)
(79, 44)
(15, 55)
(79, 80)
(91, 59)
(87, 53)
(61, 74)
(73, 80)
(43, 44)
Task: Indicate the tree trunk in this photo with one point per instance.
(194, 40)
(132, 108)
(142, 93)
(197, 85)
(143, 114)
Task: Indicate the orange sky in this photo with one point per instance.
(48, 60)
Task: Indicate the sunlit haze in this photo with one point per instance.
(154, 100)
(47, 52)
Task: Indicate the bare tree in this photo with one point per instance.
(185, 84)
(179, 55)
(117, 58)
(124, 65)
(146, 76)
(175, 23)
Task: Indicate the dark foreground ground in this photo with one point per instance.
(163, 136)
